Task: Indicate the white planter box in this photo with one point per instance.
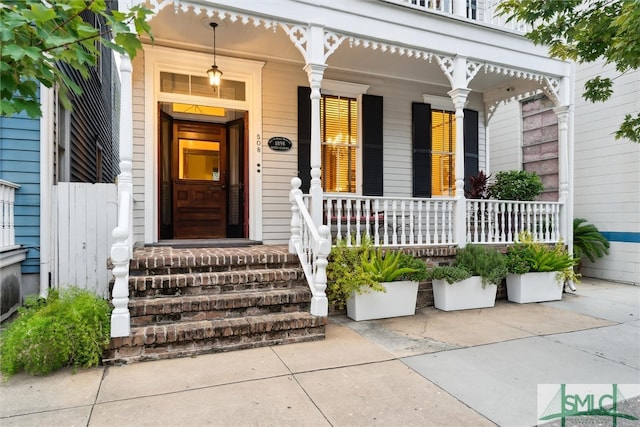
(463, 295)
(399, 300)
(533, 287)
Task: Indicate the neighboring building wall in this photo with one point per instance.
(607, 173)
(20, 164)
(540, 144)
(94, 158)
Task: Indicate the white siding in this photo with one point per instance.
(138, 147)
(607, 172)
(280, 118)
(505, 137)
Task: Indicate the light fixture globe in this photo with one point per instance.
(214, 73)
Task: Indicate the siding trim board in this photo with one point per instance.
(622, 236)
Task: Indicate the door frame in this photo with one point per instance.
(162, 59)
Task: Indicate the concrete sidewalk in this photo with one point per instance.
(464, 368)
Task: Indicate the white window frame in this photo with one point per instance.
(349, 90)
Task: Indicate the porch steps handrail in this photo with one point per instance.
(500, 221)
(312, 245)
(7, 217)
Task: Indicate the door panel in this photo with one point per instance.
(199, 173)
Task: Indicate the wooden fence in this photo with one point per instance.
(85, 215)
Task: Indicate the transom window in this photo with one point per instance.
(339, 134)
(443, 148)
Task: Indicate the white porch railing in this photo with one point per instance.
(7, 224)
(312, 245)
(476, 10)
(498, 221)
(390, 221)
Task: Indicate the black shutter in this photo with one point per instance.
(421, 138)
(304, 137)
(471, 162)
(372, 162)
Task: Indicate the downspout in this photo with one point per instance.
(46, 161)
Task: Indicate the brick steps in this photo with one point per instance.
(215, 282)
(218, 335)
(185, 302)
(210, 306)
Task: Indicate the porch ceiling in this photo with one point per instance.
(191, 30)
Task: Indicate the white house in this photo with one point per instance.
(365, 116)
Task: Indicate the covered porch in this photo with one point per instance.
(446, 58)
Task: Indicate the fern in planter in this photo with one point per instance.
(528, 255)
(69, 328)
(474, 260)
(363, 268)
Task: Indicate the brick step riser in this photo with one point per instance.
(213, 345)
(190, 316)
(206, 268)
(173, 286)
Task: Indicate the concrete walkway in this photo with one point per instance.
(465, 368)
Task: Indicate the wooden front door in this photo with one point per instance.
(199, 175)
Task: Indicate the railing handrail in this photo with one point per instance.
(312, 245)
(9, 184)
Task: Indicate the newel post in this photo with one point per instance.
(121, 250)
(321, 250)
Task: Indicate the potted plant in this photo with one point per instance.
(537, 271)
(472, 282)
(516, 185)
(373, 283)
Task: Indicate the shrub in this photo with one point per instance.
(474, 260)
(516, 185)
(69, 328)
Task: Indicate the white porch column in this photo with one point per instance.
(315, 70)
(459, 98)
(562, 112)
